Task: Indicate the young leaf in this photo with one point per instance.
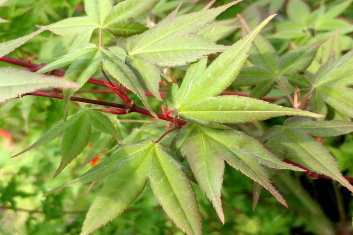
(14, 82)
(174, 192)
(103, 123)
(299, 59)
(206, 166)
(9, 46)
(98, 10)
(298, 12)
(237, 109)
(178, 51)
(73, 26)
(129, 9)
(126, 29)
(223, 71)
(173, 27)
(75, 140)
(120, 190)
(148, 73)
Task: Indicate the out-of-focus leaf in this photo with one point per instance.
(103, 123)
(129, 9)
(9, 46)
(73, 26)
(98, 10)
(298, 12)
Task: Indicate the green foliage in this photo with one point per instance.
(155, 55)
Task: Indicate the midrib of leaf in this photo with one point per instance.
(175, 191)
(169, 50)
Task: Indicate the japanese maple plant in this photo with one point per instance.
(197, 124)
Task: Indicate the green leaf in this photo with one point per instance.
(223, 71)
(14, 82)
(298, 12)
(173, 27)
(55, 131)
(9, 46)
(262, 89)
(126, 29)
(120, 190)
(337, 9)
(250, 76)
(98, 10)
(299, 59)
(322, 128)
(103, 123)
(244, 156)
(237, 109)
(67, 59)
(75, 140)
(108, 165)
(73, 26)
(172, 188)
(206, 166)
(148, 73)
(178, 51)
(218, 30)
(313, 155)
(123, 74)
(129, 9)
(340, 98)
(80, 71)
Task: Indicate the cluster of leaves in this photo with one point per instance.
(112, 42)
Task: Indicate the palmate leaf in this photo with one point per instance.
(14, 82)
(221, 73)
(120, 190)
(129, 9)
(237, 109)
(160, 43)
(310, 153)
(299, 59)
(171, 187)
(331, 85)
(238, 150)
(206, 148)
(98, 10)
(9, 46)
(75, 140)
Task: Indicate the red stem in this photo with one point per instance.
(122, 108)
